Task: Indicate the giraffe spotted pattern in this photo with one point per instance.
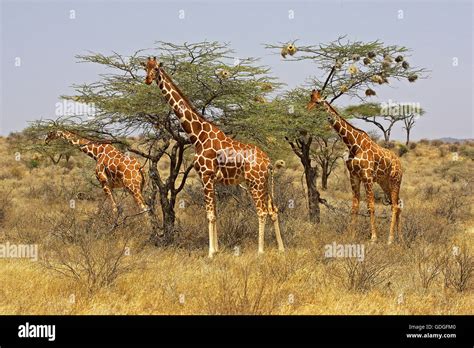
(220, 159)
(113, 170)
(368, 163)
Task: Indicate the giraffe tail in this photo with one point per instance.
(271, 188)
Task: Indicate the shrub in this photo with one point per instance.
(429, 264)
(412, 146)
(467, 151)
(364, 275)
(93, 252)
(402, 149)
(458, 269)
(436, 142)
(424, 141)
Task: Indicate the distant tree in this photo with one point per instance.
(329, 149)
(372, 113)
(409, 123)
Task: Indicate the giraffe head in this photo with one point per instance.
(54, 134)
(315, 99)
(151, 66)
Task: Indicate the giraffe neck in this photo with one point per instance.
(84, 145)
(191, 120)
(348, 133)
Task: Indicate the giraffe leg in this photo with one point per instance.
(262, 215)
(395, 214)
(355, 185)
(273, 211)
(105, 186)
(398, 226)
(371, 206)
(137, 196)
(209, 194)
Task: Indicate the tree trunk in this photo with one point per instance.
(169, 219)
(324, 175)
(311, 173)
(313, 195)
(408, 137)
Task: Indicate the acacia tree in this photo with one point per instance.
(371, 113)
(127, 107)
(328, 150)
(347, 68)
(409, 123)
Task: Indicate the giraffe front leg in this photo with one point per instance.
(355, 186)
(371, 206)
(209, 194)
(137, 196)
(396, 210)
(262, 213)
(107, 190)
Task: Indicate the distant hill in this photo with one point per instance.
(454, 140)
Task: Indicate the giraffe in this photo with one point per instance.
(114, 169)
(220, 159)
(367, 163)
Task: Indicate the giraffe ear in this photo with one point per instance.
(161, 64)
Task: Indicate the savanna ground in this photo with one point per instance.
(91, 263)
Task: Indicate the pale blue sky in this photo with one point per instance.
(46, 40)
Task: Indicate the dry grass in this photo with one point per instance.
(88, 266)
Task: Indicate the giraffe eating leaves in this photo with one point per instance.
(113, 170)
(220, 159)
(368, 163)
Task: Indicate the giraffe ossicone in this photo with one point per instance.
(220, 159)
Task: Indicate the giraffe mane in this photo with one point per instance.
(178, 90)
(350, 124)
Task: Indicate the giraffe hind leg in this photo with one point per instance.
(371, 206)
(273, 211)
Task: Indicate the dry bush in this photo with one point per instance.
(247, 288)
(454, 205)
(453, 147)
(5, 204)
(355, 275)
(429, 262)
(467, 150)
(415, 226)
(412, 146)
(436, 142)
(442, 150)
(402, 150)
(424, 141)
(94, 251)
(458, 269)
(429, 191)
